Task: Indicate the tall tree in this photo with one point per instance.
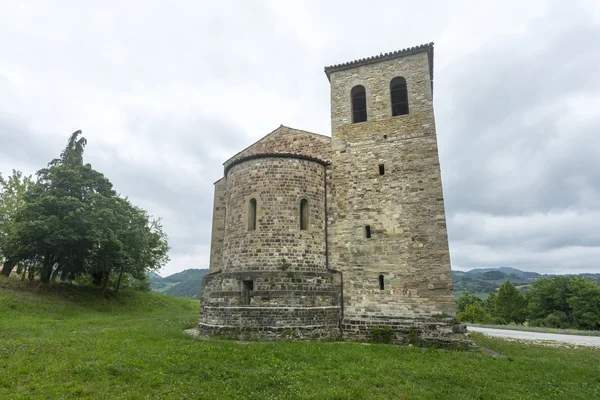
(72, 223)
(12, 200)
(510, 304)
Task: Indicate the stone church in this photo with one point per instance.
(316, 236)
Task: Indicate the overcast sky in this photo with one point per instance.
(166, 91)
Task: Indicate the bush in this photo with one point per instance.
(466, 299)
(510, 304)
(474, 313)
(382, 335)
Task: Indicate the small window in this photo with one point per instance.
(399, 96)
(247, 288)
(252, 215)
(359, 104)
(303, 214)
(381, 169)
(381, 283)
(368, 231)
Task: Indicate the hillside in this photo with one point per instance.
(70, 342)
(187, 283)
(485, 280)
(481, 281)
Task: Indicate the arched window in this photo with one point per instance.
(359, 104)
(303, 214)
(399, 96)
(252, 215)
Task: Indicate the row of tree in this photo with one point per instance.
(71, 225)
(558, 302)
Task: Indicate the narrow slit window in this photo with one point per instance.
(303, 214)
(381, 169)
(359, 104)
(399, 96)
(368, 231)
(247, 288)
(381, 283)
(252, 215)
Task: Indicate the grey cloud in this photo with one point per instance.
(166, 94)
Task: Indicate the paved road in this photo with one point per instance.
(593, 341)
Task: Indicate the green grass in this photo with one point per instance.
(70, 342)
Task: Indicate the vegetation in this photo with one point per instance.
(63, 341)
(558, 302)
(187, 283)
(71, 224)
(482, 281)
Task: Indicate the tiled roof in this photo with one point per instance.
(385, 56)
(287, 142)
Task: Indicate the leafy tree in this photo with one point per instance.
(549, 295)
(474, 312)
(490, 303)
(585, 304)
(510, 304)
(73, 224)
(466, 299)
(12, 194)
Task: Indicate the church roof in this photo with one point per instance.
(383, 57)
(288, 142)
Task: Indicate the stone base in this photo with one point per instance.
(425, 332)
(271, 332)
(419, 331)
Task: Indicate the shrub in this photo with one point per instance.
(467, 299)
(382, 335)
(474, 313)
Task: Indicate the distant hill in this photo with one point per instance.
(187, 283)
(485, 280)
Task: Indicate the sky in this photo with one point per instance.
(166, 91)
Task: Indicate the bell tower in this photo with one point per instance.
(387, 222)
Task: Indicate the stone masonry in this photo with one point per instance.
(315, 236)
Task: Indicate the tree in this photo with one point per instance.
(510, 304)
(585, 303)
(475, 313)
(12, 194)
(490, 303)
(466, 299)
(73, 224)
(550, 295)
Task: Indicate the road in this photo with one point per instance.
(593, 341)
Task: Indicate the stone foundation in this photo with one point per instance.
(442, 332)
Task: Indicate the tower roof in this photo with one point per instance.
(385, 56)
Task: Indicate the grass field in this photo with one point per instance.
(70, 342)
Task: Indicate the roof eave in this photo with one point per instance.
(384, 57)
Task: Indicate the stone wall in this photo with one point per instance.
(404, 207)
(273, 289)
(218, 226)
(277, 243)
(304, 303)
(402, 330)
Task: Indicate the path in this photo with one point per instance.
(593, 341)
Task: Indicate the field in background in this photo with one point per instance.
(69, 342)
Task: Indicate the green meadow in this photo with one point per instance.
(68, 342)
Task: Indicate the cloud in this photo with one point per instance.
(165, 94)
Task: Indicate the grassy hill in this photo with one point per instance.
(187, 283)
(485, 280)
(71, 342)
